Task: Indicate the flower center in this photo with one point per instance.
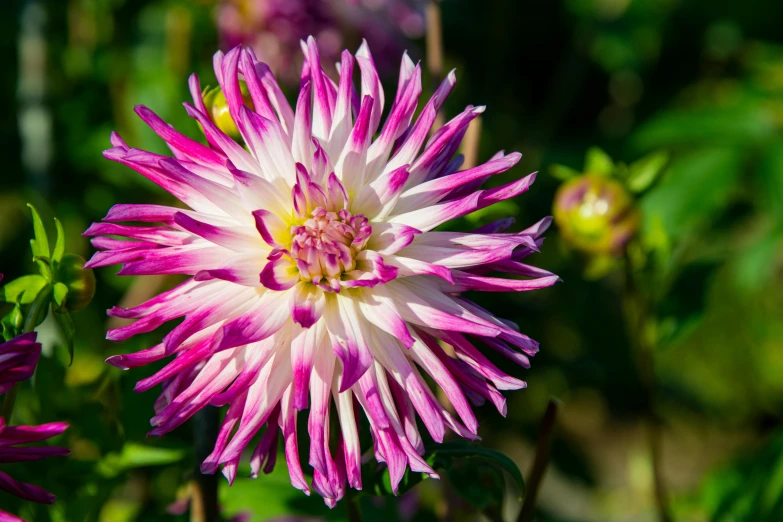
(326, 244)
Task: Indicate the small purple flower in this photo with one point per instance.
(18, 358)
(316, 277)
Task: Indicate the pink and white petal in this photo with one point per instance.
(413, 141)
(180, 143)
(320, 397)
(242, 269)
(238, 239)
(307, 304)
(264, 318)
(390, 238)
(273, 230)
(430, 192)
(301, 143)
(377, 199)
(352, 451)
(381, 312)
(353, 158)
(142, 213)
(429, 307)
(426, 359)
(322, 114)
(288, 415)
(390, 354)
(239, 157)
(342, 120)
(305, 342)
(464, 281)
(397, 123)
(269, 146)
(407, 267)
(263, 395)
(259, 193)
(280, 273)
(349, 345)
(371, 84)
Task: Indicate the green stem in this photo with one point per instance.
(352, 506)
(39, 306)
(204, 504)
(637, 316)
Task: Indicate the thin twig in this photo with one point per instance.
(434, 43)
(204, 505)
(540, 461)
(470, 145)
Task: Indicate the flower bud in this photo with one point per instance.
(595, 214)
(79, 280)
(216, 104)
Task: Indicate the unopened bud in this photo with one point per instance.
(216, 104)
(595, 214)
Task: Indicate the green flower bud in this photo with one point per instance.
(79, 280)
(595, 214)
(216, 104)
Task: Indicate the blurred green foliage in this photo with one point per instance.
(700, 81)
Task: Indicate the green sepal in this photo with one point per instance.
(69, 331)
(563, 173)
(40, 244)
(23, 290)
(44, 267)
(60, 295)
(598, 162)
(59, 242)
(643, 173)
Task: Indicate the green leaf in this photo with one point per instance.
(38, 308)
(598, 162)
(697, 187)
(742, 122)
(134, 455)
(464, 450)
(59, 243)
(40, 244)
(23, 289)
(481, 485)
(60, 294)
(69, 331)
(643, 173)
(563, 173)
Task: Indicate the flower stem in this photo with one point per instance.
(204, 503)
(540, 461)
(637, 316)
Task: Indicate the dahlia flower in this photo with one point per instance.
(316, 279)
(18, 358)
